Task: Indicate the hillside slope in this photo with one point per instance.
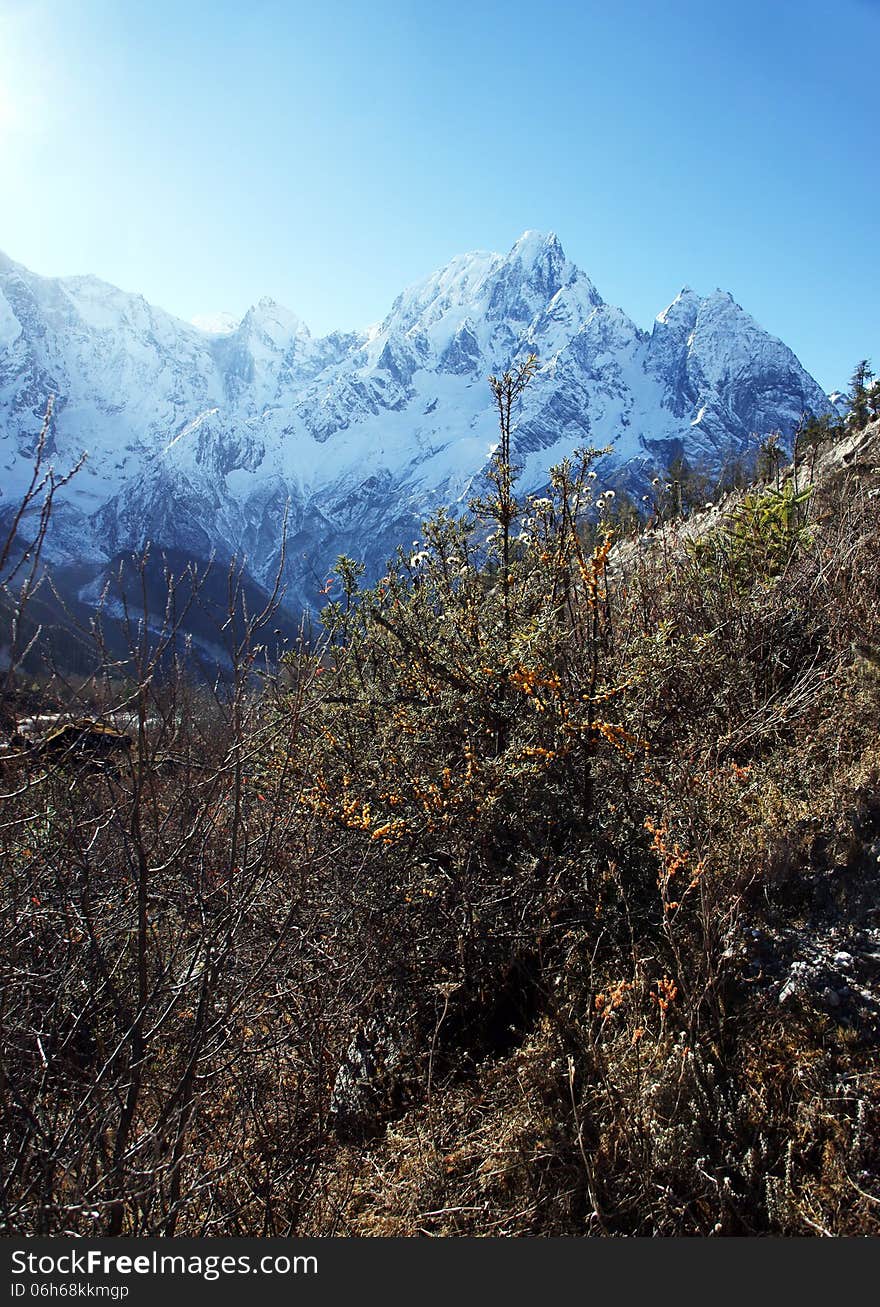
(537, 898)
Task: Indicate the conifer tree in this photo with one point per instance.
(859, 405)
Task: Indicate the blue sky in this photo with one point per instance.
(328, 154)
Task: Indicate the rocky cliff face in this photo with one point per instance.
(197, 439)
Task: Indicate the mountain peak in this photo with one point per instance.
(269, 318)
(533, 245)
(532, 275)
(685, 304)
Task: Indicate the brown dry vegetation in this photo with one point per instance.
(538, 898)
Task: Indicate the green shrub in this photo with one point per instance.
(759, 535)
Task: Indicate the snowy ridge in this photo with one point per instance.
(199, 433)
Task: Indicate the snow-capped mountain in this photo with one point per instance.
(199, 435)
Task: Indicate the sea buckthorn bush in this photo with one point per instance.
(466, 721)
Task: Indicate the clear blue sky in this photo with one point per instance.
(329, 153)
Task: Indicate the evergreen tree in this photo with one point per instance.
(814, 431)
(770, 458)
(859, 405)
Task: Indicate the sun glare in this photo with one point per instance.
(28, 73)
